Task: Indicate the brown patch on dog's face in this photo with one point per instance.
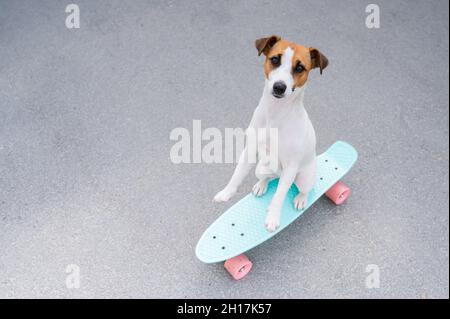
(274, 56)
(303, 60)
(301, 65)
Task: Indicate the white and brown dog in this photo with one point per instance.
(286, 69)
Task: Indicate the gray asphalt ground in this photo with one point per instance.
(85, 173)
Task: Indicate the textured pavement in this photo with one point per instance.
(85, 173)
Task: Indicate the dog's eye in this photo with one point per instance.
(299, 68)
(275, 60)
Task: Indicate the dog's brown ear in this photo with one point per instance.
(263, 45)
(318, 60)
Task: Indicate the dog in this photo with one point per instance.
(286, 68)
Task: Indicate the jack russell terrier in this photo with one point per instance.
(286, 69)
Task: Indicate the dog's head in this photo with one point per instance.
(288, 64)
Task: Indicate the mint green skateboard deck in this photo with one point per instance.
(241, 227)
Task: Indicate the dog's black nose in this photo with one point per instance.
(279, 88)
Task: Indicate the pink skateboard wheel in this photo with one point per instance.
(338, 193)
(238, 266)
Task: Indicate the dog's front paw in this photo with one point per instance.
(300, 201)
(260, 188)
(224, 195)
(273, 219)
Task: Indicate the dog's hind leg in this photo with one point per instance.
(264, 175)
(260, 188)
(305, 181)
